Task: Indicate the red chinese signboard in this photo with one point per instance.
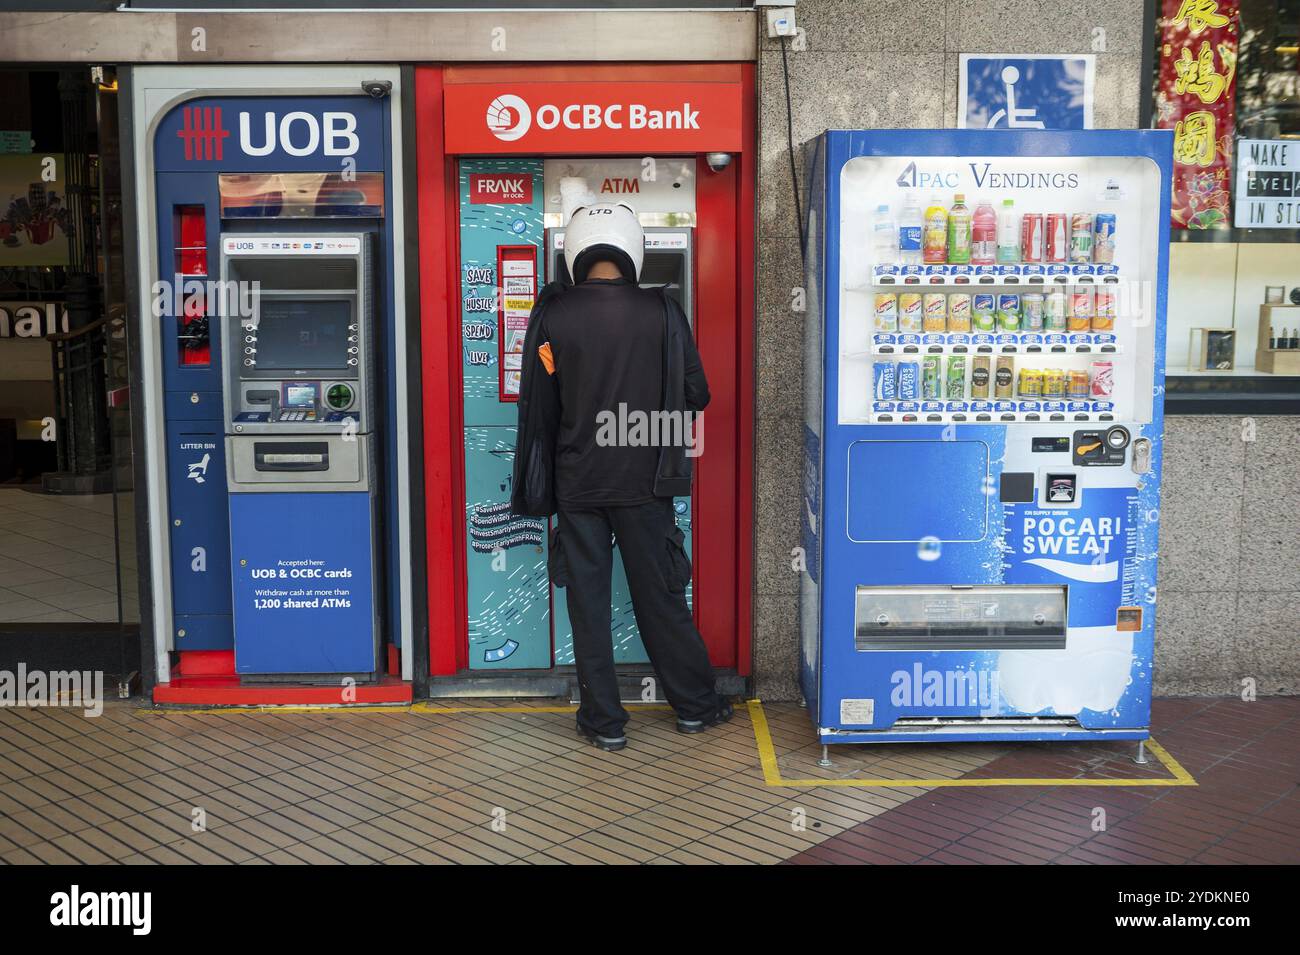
(1196, 99)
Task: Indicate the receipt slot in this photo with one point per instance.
(300, 450)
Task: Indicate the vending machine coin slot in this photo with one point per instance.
(1091, 449)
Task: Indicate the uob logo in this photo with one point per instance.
(509, 117)
(202, 133)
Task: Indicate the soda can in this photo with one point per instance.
(1078, 384)
(1009, 313)
(1103, 311)
(1080, 319)
(886, 312)
(909, 312)
(983, 306)
(886, 380)
(1056, 237)
(1054, 383)
(1055, 311)
(1031, 237)
(1031, 383)
(959, 312)
(979, 376)
(1032, 309)
(930, 385)
(1081, 237)
(936, 312)
(1103, 302)
(955, 380)
(909, 385)
(1103, 238)
(1004, 378)
(1102, 378)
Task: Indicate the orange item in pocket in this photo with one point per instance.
(548, 360)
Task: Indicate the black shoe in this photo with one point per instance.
(610, 744)
(721, 715)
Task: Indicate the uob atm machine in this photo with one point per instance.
(274, 257)
(299, 453)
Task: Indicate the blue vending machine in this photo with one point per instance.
(983, 414)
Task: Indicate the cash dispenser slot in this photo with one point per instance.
(299, 456)
(958, 617)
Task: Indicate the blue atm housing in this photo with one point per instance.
(194, 143)
(938, 556)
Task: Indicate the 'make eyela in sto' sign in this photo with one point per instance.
(1268, 184)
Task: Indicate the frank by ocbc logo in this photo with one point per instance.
(509, 117)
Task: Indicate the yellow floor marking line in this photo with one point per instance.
(772, 771)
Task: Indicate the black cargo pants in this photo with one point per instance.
(658, 571)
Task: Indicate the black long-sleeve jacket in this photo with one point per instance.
(685, 392)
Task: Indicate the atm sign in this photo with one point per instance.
(500, 188)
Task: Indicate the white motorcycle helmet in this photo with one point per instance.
(604, 230)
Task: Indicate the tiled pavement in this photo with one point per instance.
(1245, 808)
(57, 558)
(511, 783)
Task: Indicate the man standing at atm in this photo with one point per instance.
(598, 350)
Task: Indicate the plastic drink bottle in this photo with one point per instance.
(984, 235)
(910, 227)
(1008, 234)
(884, 237)
(959, 227)
(934, 248)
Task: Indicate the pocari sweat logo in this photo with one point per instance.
(1078, 548)
(509, 117)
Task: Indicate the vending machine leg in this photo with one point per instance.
(825, 761)
(1141, 757)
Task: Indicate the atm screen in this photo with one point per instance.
(303, 334)
(299, 395)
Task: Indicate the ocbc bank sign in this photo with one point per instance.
(591, 117)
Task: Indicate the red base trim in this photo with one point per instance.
(205, 663)
(227, 691)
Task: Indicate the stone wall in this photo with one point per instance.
(1229, 582)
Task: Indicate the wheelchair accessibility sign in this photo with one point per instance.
(1026, 92)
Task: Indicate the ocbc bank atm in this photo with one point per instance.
(300, 454)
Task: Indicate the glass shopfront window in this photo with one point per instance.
(1226, 79)
(67, 517)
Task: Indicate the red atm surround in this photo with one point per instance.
(451, 106)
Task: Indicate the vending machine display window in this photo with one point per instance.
(1027, 298)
